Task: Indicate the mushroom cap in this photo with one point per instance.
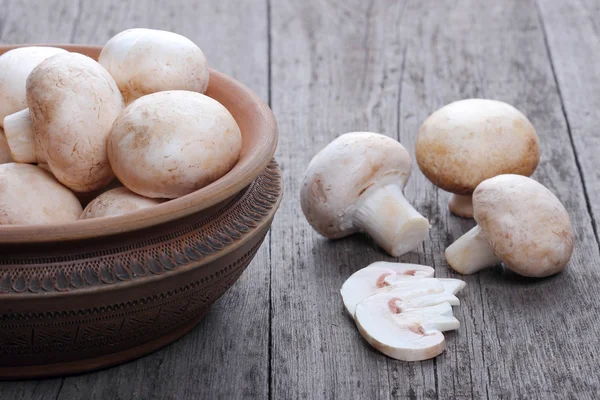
(145, 61)
(526, 226)
(73, 103)
(468, 141)
(169, 144)
(31, 195)
(117, 201)
(15, 67)
(341, 172)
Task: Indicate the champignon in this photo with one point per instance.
(356, 184)
(169, 144)
(468, 141)
(406, 280)
(520, 223)
(402, 331)
(29, 195)
(73, 103)
(15, 67)
(145, 61)
(117, 201)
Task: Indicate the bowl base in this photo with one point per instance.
(105, 361)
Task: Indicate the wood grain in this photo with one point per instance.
(384, 66)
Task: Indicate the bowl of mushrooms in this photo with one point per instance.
(136, 186)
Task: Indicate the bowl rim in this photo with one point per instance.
(201, 199)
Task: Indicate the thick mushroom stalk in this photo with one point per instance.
(461, 206)
(23, 144)
(385, 215)
(471, 253)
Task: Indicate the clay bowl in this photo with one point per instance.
(94, 293)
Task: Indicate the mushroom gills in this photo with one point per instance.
(402, 331)
(384, 214)
(471, 253)
(461, 206)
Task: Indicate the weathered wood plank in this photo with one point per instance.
(341, 66)
(573, 40)
(227, 355)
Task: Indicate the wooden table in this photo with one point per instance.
(328, 67)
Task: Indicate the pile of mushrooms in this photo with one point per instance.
(139, 113)
(482, 151)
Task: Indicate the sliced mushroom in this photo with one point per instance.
(145, 61)
(405, 280)
(29, 195)
(402, 331)
(15, 67)
(356, 184)
(117, 201)
(73, 103)
(468, 141)
(520, 223)
(169, 144)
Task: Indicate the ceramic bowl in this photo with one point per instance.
(89, 294)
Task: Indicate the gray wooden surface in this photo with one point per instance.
(328, 67)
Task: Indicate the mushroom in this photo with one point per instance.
(145, 61)
(403, 331)
(117, 201)
(73, 103)
(405, 280)
(520, 223)
(356, 184)
(468, 141)
(29, 195)
(169, 144)
(15, 67)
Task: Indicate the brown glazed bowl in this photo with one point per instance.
(89, 294)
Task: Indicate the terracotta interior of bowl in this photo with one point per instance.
(259, 133)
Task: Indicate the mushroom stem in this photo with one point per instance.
(461, 206)
(384, 214)
(24, 147)
(471, 253)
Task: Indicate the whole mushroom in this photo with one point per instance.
(117, 201)
(29, 195)
(145, 61)
(520, 223)
(356, 184)
(468, 141)
(15, 67)
(73, 103)
(169, 144)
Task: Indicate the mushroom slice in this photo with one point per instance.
(389, 324)
(406, 280)
(520, 223)
(356, 183)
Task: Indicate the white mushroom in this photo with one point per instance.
(468, 141)
(117, 201)
(402, 330)
(409, 281)
(145, 61)
(29, 195)
(169, 144)
(73, 103)
(15, 67)
(356, 184)
(520, 223)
